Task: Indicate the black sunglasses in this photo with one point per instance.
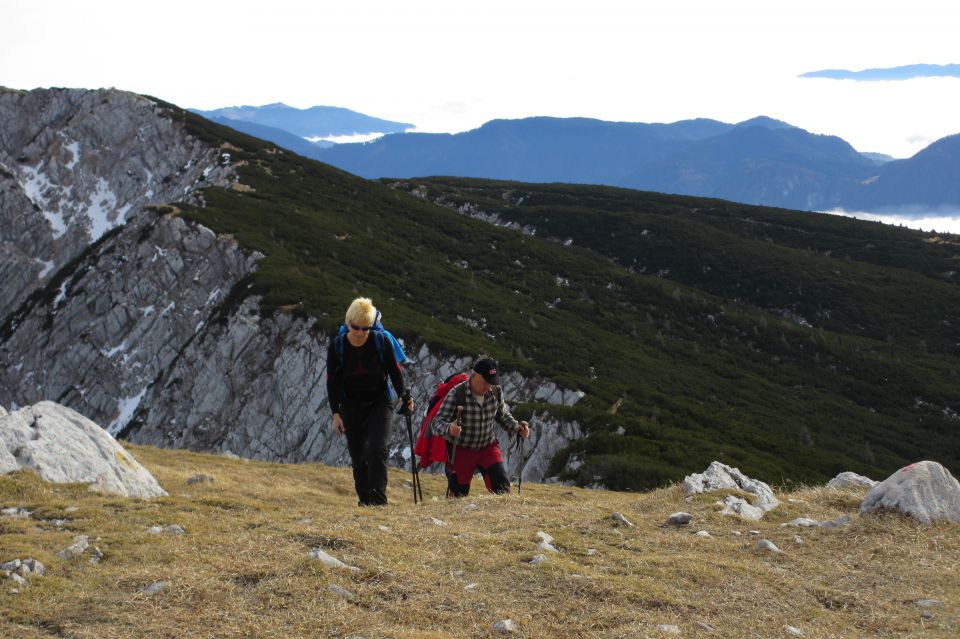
(360, 328)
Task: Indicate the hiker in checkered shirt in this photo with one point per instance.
(472, 444)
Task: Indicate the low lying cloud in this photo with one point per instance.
(908, 72)
(938, 221)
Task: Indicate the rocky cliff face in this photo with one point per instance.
(134, 325)
(76, 163)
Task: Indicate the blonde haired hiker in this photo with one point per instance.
(360, 361)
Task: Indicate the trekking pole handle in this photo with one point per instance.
(458, 421)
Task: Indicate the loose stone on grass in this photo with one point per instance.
(802, 522)
(17, 570)
(80, 544)
(330, 561)
(620, 519)
(842, 520)
(546, 542)
(766, 544)
(679, 519)
(156, 588)
(200, 479)
(343, 592)
(505, 627)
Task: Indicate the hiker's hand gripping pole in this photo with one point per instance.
(455, 429)
(406, 409)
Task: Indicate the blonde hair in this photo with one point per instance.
(362, 312)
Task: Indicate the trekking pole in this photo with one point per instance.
(523, 462)
(413, 458)
(458, 422)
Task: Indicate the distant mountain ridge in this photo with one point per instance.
(313, 122)
(758, 161)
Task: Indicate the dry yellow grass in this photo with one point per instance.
(242, 568)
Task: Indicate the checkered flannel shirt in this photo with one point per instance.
(477, 420)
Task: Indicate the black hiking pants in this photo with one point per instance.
(368, 431)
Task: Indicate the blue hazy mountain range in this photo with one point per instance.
(758, 161)
(314, 122)
(906, 72)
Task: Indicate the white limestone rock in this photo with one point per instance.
(343, 592)
(766, 544)
(679, 519)
(620, 519)
(802, 522)
(851, 480)
(925, 491)
(506, 627)
(842, 520)
(330, 561)
(63, 446)
(719, 476)
(741, 508)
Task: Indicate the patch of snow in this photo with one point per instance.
(126, 408)
(103, 207)
(170, 307)
(74, 148)
(36, 186)
(47, 267)
(113, 351)
(61, 296)
(160, 253)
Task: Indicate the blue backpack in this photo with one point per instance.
(380, 335)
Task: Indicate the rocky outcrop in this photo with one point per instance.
(719, 476)
(74, 164)
(851, 480)
(63, 446)
(925, 491)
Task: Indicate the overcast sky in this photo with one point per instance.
(451, 65)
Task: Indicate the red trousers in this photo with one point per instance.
(488, 460)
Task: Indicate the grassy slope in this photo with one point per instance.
(242, 568)
(696, 372)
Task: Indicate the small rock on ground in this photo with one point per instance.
(679, 519)
(619, 518)
(505, 627)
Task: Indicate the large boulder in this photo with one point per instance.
(925, 491)
(63, 446)
(851, 480)
(722, 477)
